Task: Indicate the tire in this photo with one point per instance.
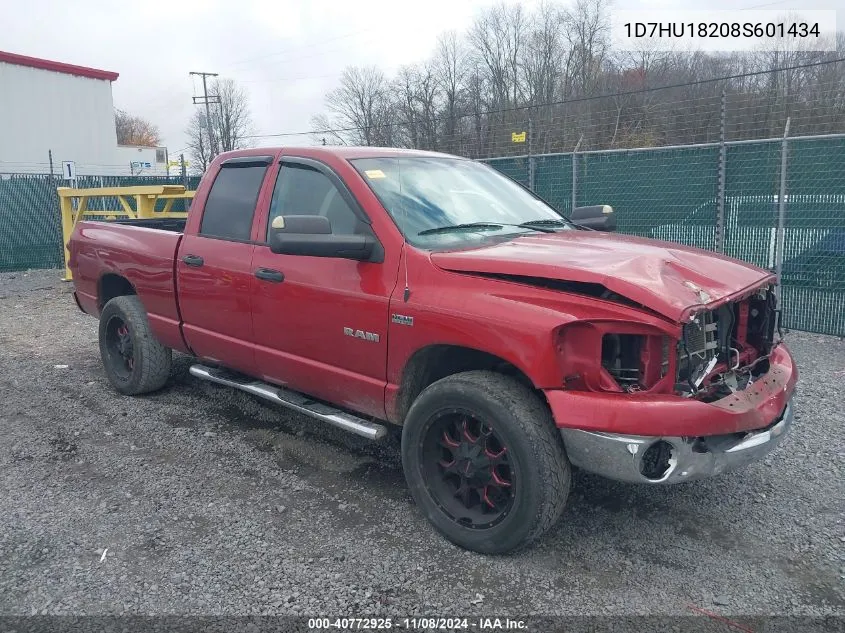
(134, 361)
(516, 420)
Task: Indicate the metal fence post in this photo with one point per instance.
(720, 199)
(184, 171)
(530, 154)
(575, 173)
(781, 218)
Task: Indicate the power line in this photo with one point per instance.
(560, 102)
(304, 47)
(300, 78)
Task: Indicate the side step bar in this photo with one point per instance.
(293, 400)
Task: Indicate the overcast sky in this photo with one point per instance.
(286, 53)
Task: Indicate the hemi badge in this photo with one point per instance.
(401, 319)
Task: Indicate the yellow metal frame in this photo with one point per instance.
(73, 205)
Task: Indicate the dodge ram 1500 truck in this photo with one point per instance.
(366, 287)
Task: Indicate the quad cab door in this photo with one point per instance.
(214, 266)
(320, 323)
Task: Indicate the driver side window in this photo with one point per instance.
(303, 190)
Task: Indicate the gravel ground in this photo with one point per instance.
(201, 500)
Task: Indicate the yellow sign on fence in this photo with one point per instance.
(518, 137)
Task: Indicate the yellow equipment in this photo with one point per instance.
(74, 205)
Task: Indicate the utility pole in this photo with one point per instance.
(207, 99)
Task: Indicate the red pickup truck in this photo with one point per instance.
(371, 287)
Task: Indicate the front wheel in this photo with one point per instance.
(484, 461)
(135, 362)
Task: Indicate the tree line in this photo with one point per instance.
(553, 70)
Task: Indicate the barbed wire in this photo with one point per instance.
(538, 107)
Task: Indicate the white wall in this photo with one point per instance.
(42, 110)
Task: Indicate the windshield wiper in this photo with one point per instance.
(459, 227)
(533, 224)
(554, 222)
(487, 225)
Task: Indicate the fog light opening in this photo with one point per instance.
(657, 461)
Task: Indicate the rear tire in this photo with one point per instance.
(134, 361)
(484, 461)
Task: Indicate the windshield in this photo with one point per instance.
(443, 202)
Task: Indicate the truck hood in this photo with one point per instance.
(670, 279)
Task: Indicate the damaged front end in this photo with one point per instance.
(724, 350)
(717, 351)
(709, 396)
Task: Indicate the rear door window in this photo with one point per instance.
(230, 206)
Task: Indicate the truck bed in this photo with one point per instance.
(140, 251)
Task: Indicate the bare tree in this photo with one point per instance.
(497, 37)
(587, 35)
(361, 107)
(135, 130)
(231, 124)
(551, 68)
(198, 141)
(232, 119)
(323, 133)
(450, 71)
(542, 56)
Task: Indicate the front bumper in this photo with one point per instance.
(668, 460)
(613, 434)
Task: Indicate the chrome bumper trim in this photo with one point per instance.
(620, 456)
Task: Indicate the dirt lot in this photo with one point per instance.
(199, 499)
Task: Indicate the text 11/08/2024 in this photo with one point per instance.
(417, 624)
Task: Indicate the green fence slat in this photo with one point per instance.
(814, 236)
(672, 194)
(515, 168)
(30, 224)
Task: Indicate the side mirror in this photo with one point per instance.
(599, 217)
(311, 235)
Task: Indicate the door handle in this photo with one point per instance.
(268, 274)
(193, 260)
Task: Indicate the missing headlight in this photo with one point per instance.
(620, 356)
(635, 361)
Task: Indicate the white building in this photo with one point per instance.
(144, 161)
(49, 107)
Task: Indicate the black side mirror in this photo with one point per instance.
(311, 235)
(599, 217)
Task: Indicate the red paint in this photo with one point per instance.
(743, 322)
(57, 67)
(662, 276)
(292, 333)
(670, 415)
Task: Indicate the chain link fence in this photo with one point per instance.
(675, 194)
(30, 224)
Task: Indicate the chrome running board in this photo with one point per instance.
(293, 400)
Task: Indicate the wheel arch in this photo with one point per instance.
(112, 285)
(433, 362)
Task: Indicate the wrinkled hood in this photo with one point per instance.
(670, 279)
